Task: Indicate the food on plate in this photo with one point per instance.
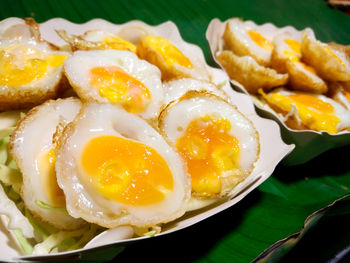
(330, 63)
(148, 134)
(96, 39)
(33, 149)
(30, 69)
(115, 169)
(277, 65)
(302, 110)
(218, 143)
(249, 73)
(171, 60)
(174, 89)
(117, 77)
(286, 58)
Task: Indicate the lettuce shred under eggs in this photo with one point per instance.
(32, 235)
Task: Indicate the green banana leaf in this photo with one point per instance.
(329, 223)
(279, 207)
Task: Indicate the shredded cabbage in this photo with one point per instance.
(55, 240)
(16, 219)
(32, 235)
(44, 205)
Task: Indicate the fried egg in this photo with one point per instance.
(175, 89)
(245, 38)
(249, 73)
(330, 63)
(116, 77)
(172, 61)
(33, 146)
(340, 92)
(308, 111)
(286, 58)
(218, 143)
(97, 39)
(115, 169)
(30, 73)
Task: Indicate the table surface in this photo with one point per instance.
(280, 205)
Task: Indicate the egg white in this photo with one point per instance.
(34, 136)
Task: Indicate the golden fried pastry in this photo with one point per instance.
(330, 64)
(286, 57)
(245, 38)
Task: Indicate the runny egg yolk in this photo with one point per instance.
(260, 40)
(209, 150)
(119, 44)
(170, 53)
(314, 113)
(46, 166)
(126, 171)
(118, 86)
(20, 65)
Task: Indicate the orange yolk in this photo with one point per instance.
(314, 113)
(126, 171)
(260, 40)
(208, 150)
(46, 165)
(170, 53)
(118, 86)
(21, 65)
(119, 44)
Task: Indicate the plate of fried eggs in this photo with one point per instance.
(292, 77)
(140, 138)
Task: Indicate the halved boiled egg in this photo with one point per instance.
(245, 38)
(33, 145)
(116, 77)
(308, 111)
(330, 63)
(286, 58)
(175, 89)
(172, 61)
(115, 169)
(218, 143)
